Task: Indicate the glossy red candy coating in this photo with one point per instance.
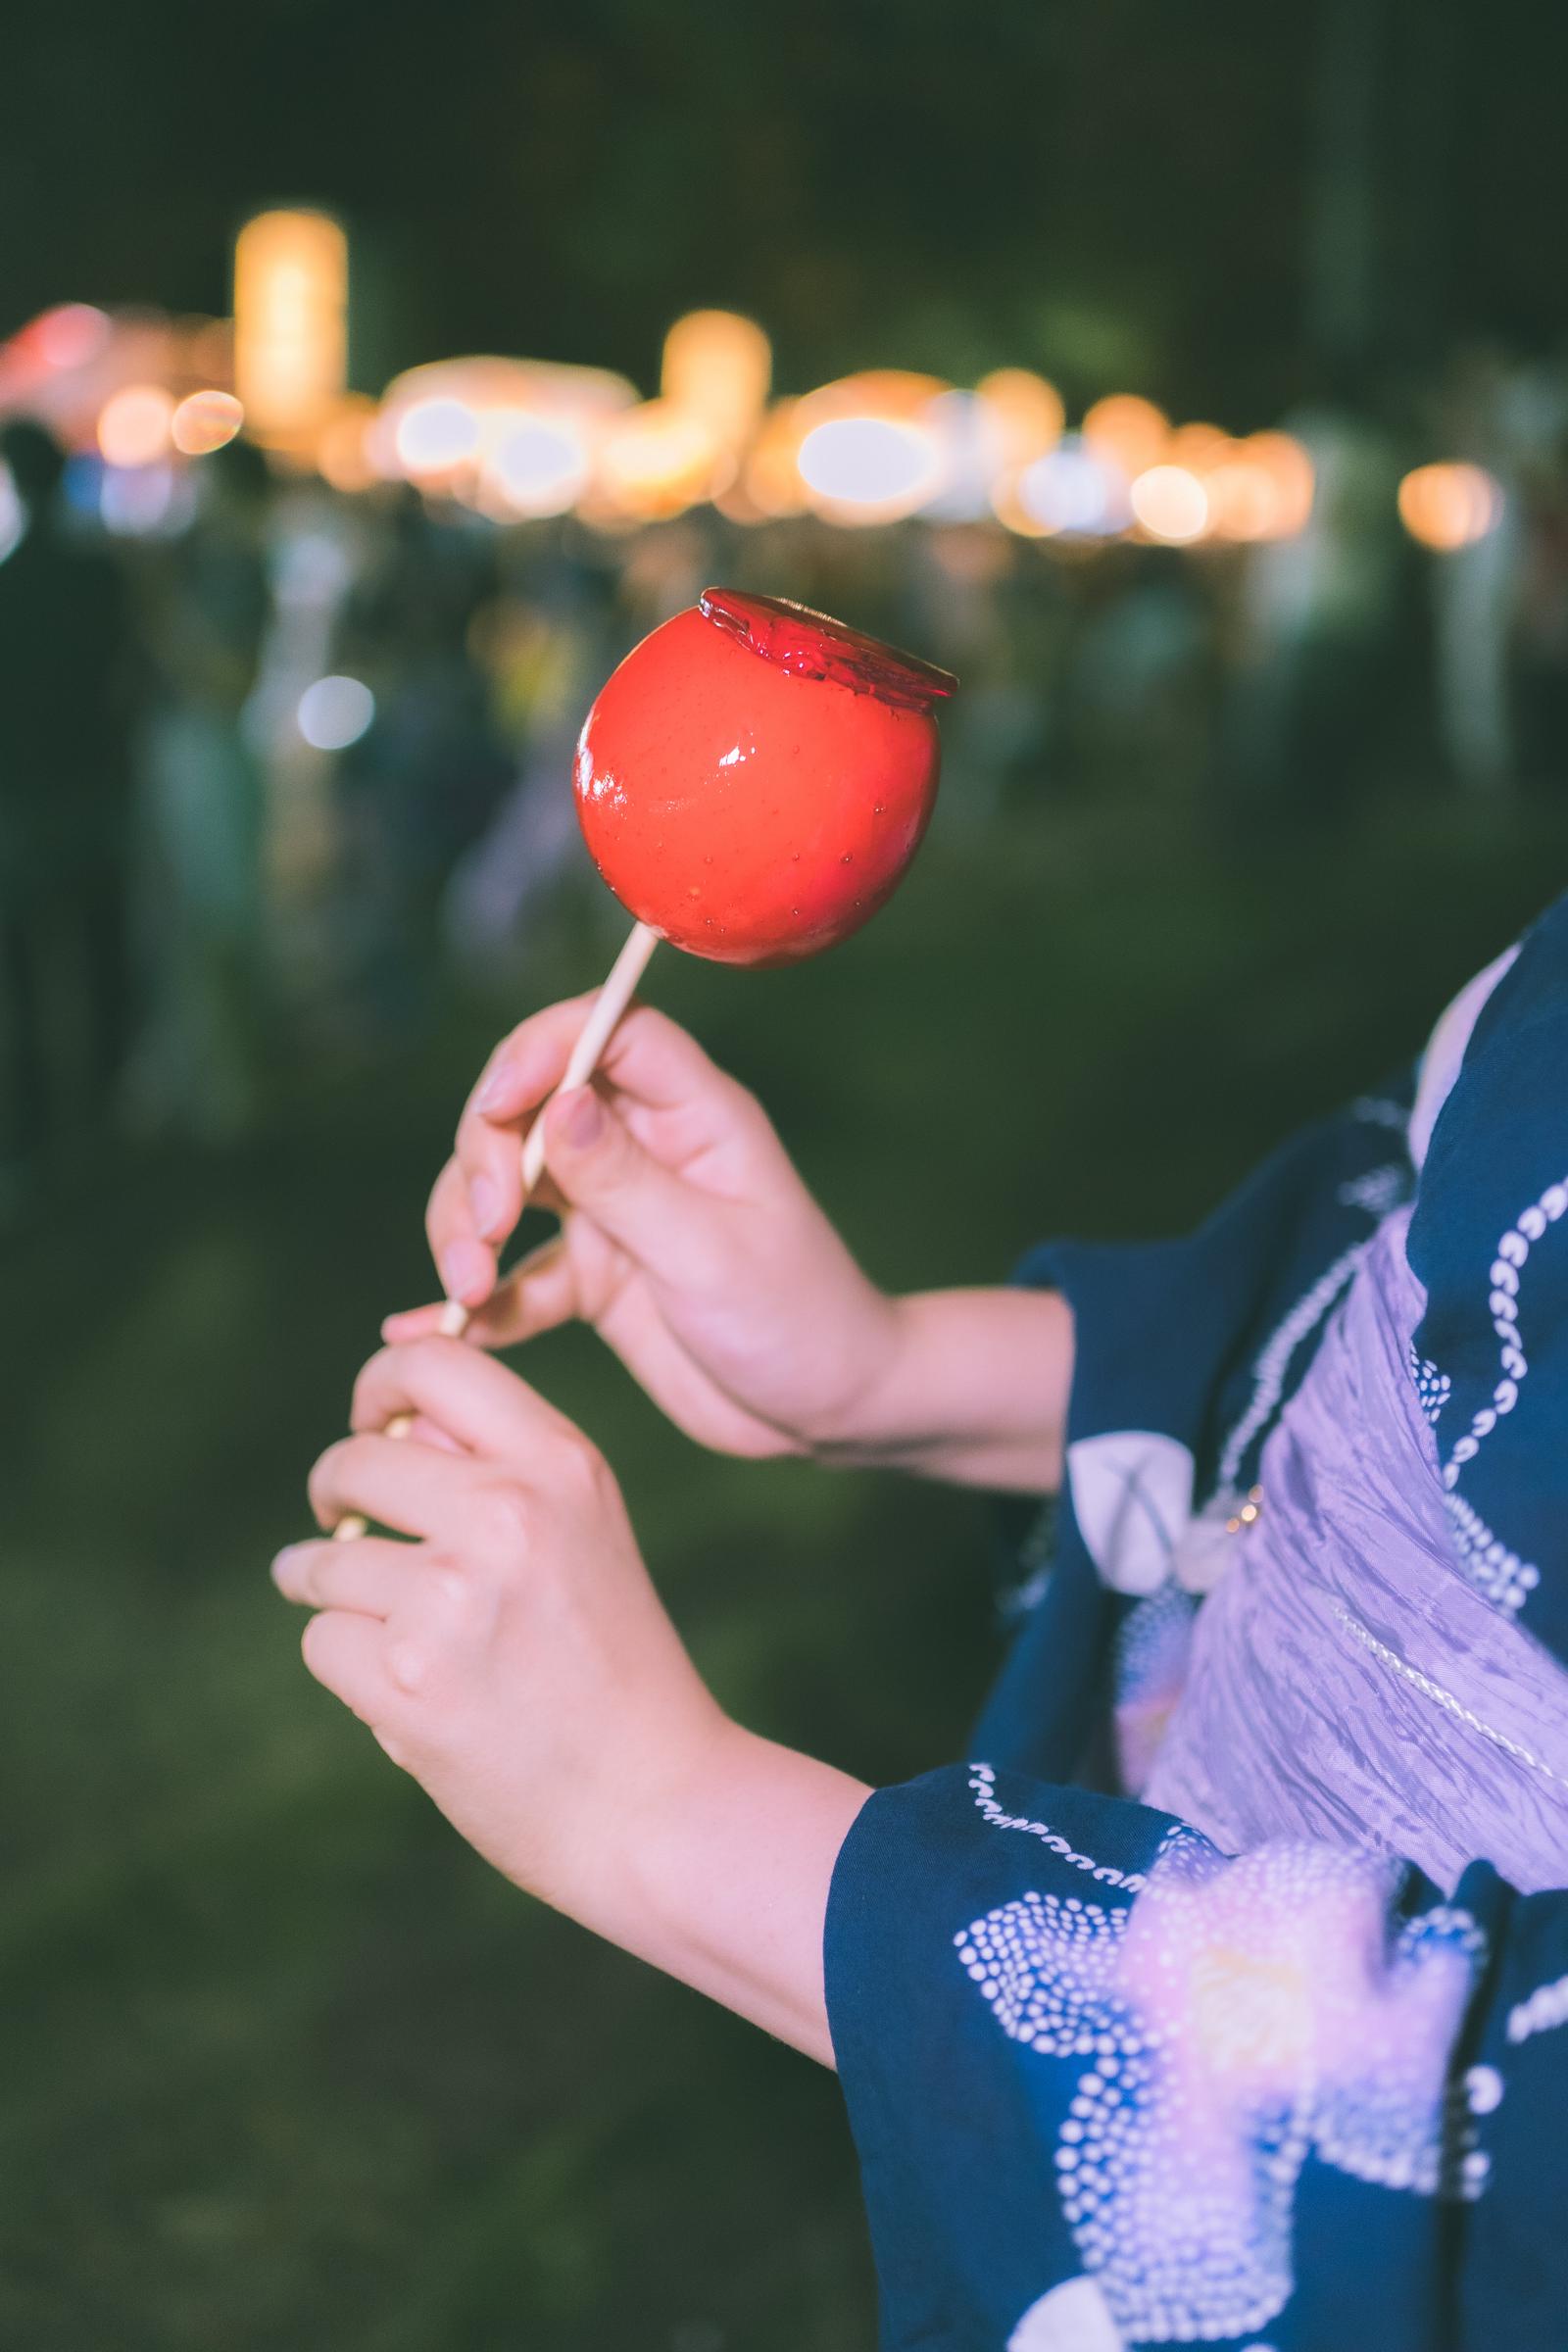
(755, 777)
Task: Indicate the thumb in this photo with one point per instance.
(600, 1167)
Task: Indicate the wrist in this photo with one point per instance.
(644, 1783)
(863, 1415)
(973, 1387)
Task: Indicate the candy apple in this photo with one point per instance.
(754, 778)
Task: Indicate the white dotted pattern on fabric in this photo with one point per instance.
(982, 1782)
(1541, 2010)
(1241, 2014)
(1513, 1254)
(1379, 1191)
(1375, 1110)
(1274, 1362)
(1431, 1386)
(1496, 1572)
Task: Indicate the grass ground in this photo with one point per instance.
(283, 2065)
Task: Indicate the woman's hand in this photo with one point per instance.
(514, 1656)
(511, 1654)
(687, 1239)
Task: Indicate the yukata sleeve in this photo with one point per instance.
(1111, 2090)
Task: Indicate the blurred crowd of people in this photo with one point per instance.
(280, 772)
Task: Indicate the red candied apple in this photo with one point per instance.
(755, 777)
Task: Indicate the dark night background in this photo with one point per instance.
(283, 2066)
(1127, 190)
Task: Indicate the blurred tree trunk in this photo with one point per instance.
(1385, 160)
(1342, 216)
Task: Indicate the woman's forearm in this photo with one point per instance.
(975, 1393)
(725, 1886)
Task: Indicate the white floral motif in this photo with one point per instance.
(1240, 2015)
(1132, 1496)
(1072, 2318)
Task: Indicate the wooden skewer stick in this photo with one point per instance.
(595, 1035)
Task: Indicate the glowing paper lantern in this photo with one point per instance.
(868, 448)
(1445, 507)
(1072, 491)
(1127, 431)
(342, 458)
(1289, 467)
(659, 460)
(861, 470)
(1262, 490)
(1171, 504)
(718, 367)
(536, 465)
(1024, 412)
(134, 425)
(1198, 447)
(513, 437)
(290, 322)
(205, 422)
(435, 436)
(68, 336)
(773, 478)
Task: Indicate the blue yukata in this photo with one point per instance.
(1223, 1998)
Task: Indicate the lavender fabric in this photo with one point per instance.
(1347, 1684)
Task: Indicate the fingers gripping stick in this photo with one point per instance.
(803, 745)
(611, 1001)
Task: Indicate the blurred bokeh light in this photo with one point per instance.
(1447, 507)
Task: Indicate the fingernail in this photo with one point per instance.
(584, 1121)
(282, 1564)
(489, 1209)
(465, 1272)
(495, 1089)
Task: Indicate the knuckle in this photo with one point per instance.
(456, 1600)
(429, 1356)
(503, 1521)
(450, 1586)
(578, 1467)
(746, 1108)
